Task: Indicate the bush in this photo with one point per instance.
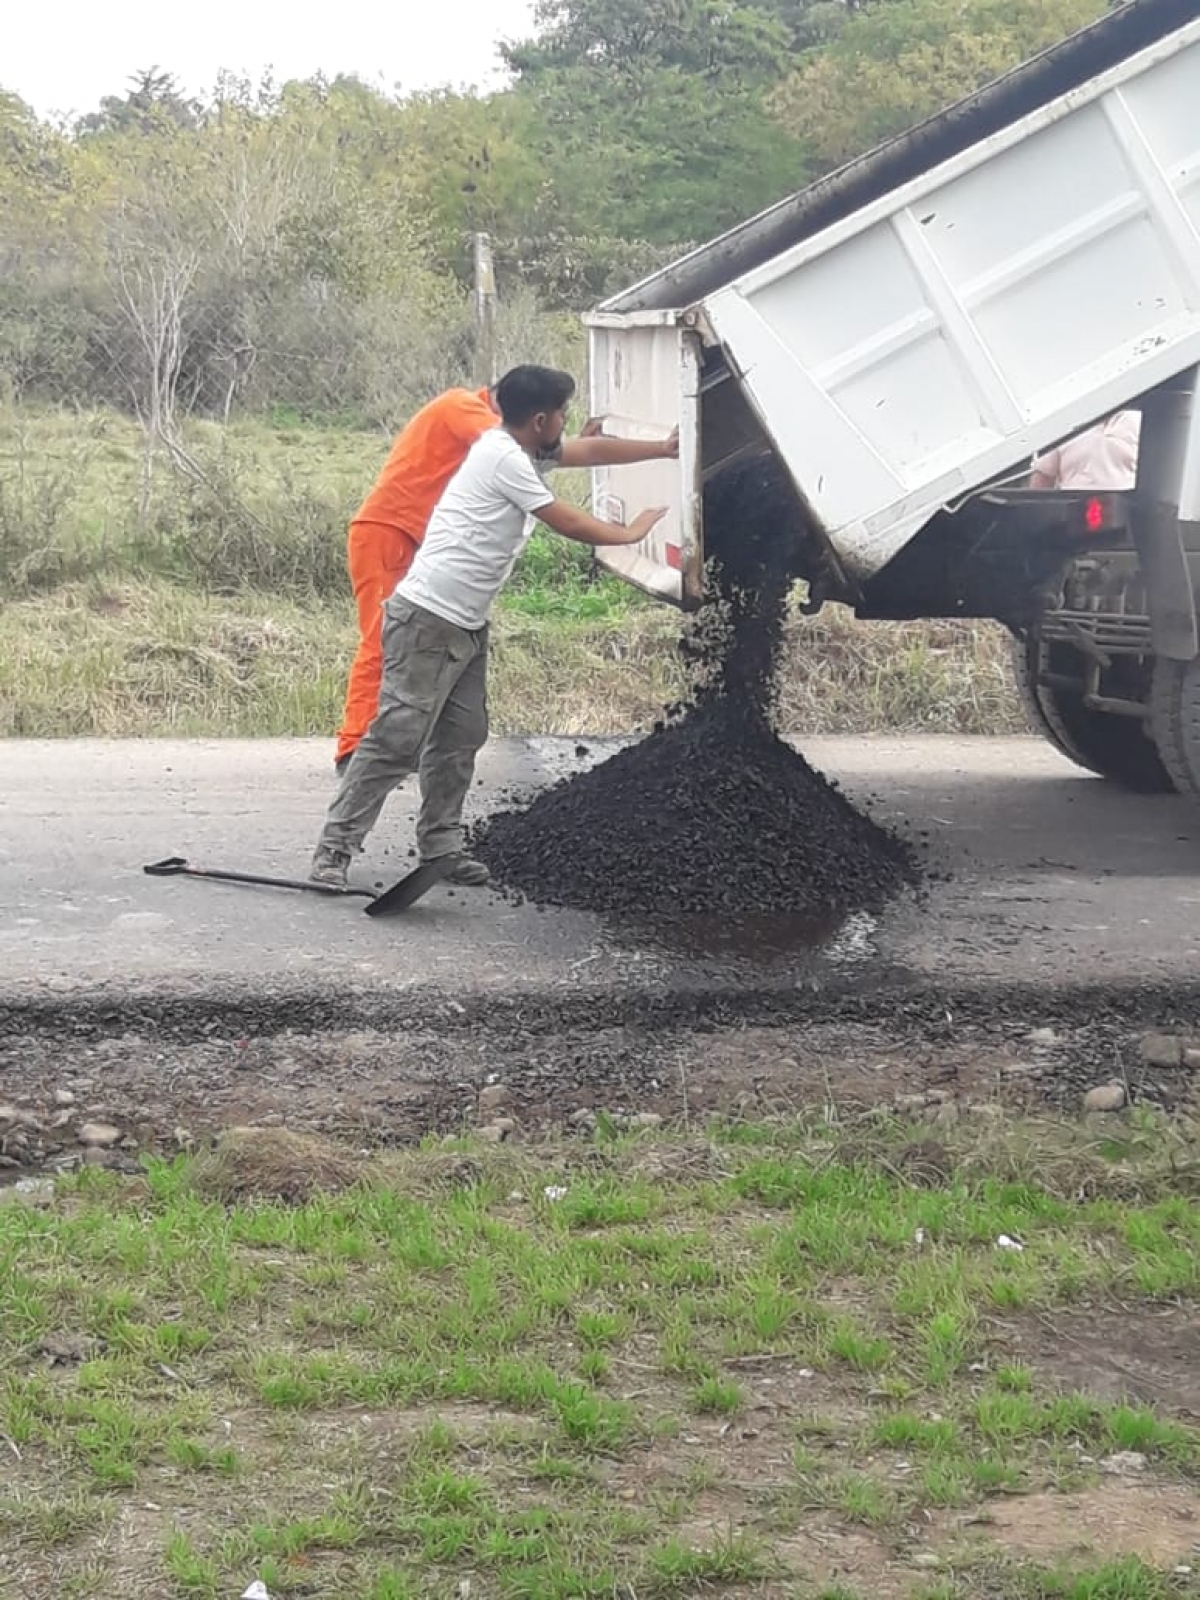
(40, 544)
(221, 529)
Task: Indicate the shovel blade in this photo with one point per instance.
(410, 889)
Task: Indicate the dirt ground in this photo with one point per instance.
(168, 1074)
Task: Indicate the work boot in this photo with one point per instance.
(468, 874)
(329, 867)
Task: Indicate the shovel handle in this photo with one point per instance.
(180, 867)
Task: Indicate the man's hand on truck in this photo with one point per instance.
(573, 523)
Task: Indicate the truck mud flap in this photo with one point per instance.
(1158, 537)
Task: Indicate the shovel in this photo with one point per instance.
(398, 898)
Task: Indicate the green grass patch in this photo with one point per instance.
(390, 1389)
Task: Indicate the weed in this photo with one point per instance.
(1124, 1579)
(717, 1396)
(675, 1568)
(195, 1574)
(866, 1352)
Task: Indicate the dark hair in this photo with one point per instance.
(525, 391)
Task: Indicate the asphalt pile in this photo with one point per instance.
(711, 814)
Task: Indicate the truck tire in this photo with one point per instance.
(1112, 747)
(1175, 721)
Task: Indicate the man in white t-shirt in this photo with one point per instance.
(1105, 457)
(432, 715)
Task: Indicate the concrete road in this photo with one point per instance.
(1055, 878)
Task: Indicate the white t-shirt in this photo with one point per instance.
(478, 529)
(1105, 457)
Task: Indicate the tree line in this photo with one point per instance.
(305, 244)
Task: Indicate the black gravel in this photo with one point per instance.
(711, 813)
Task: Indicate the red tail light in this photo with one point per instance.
(1093, 515)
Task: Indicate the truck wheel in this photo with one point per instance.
(1112, 747)
(1175, 721)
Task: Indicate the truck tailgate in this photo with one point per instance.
(644, 382)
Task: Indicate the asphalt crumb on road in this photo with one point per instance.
(712, 814)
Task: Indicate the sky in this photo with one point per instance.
(62, 60)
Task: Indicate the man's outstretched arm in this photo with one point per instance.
(599, 451)
(573, 523)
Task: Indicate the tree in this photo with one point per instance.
(635, 38)
(894, 63)
(153, 102)
(474, 165)
(42, 333)
(653, 113)
(153, 246)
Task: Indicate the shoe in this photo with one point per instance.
(468, 874)
(329, 867)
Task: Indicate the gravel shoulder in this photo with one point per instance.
(162, 1076)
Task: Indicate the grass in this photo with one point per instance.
(153, 659)
(653, 1386)
(1127, 1579)
(263, 508)
(118, 658)
(220, 605)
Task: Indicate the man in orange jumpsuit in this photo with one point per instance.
(389, 526)
(391, 523)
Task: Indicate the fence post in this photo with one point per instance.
(485, 312)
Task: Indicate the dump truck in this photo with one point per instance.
(908, 333)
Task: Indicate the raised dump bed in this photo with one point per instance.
(922, 321)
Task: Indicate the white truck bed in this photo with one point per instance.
(923, 321)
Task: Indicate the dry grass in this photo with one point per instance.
(248, 1164)
(845, 676)
(222, 608)
(147, 659)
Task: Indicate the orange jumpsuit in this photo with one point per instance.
(391, 523)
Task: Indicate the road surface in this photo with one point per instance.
(1054, 878)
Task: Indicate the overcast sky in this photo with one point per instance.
(63, 58)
